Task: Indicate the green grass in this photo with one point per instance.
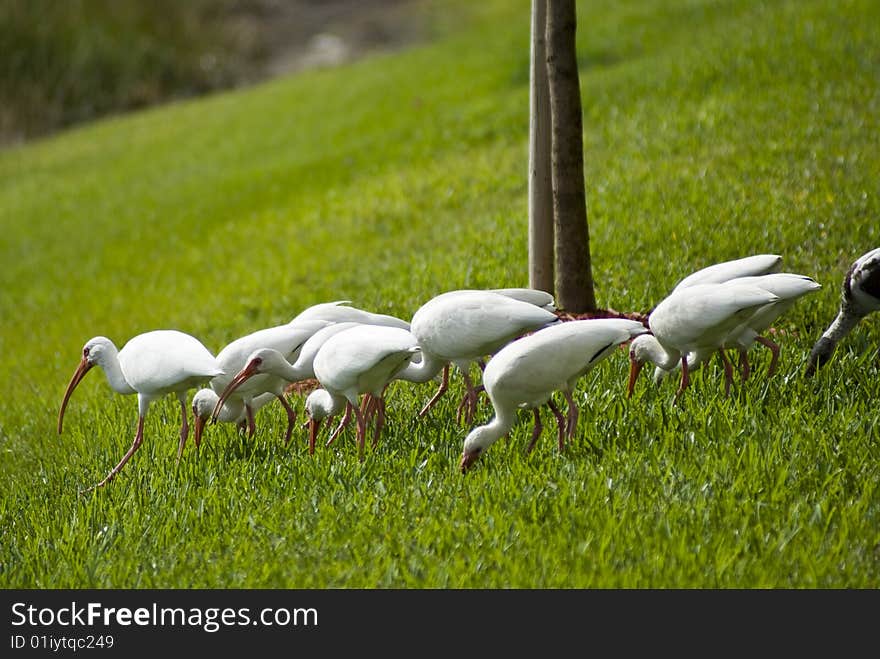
(712, 130)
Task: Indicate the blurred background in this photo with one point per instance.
(72, 61)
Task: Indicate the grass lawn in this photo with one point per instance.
(713, 130)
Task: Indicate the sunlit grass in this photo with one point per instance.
(712, 130)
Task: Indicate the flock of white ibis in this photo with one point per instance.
(526, 350)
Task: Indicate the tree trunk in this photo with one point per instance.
(540, 178)
(574, 279)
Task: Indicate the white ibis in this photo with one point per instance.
(151, 365)
(748, 266)
(341, 312)
(718, 273)
(788, 288)
(287, 339)
(694, 319)
(272, 366)
(232, 411)
(359, 360)
(463, 326)
(534, 296)
(525, 373)
(859, 296)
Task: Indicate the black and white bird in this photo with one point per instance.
(859, 296)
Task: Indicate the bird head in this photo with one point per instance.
(202, 406)
(251, 368)
(475, 444)
(638, 357)
(94, 352)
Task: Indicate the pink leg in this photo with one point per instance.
(251, 423)
(573, 413)
(560, 422)
(744, 364)
(469, 402)
(728, 372)
(361, 432)
(184, 426)
(764, 341)
(138, 438)
(291, 419)
(536, 432)
(444, 385)
(366, 405)
(380, 419)
(346, 417)
(685, 377)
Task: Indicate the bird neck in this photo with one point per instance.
(482, 437)
(665, 358)
(422, 371)
(109, 363)
(321, 404)
(232, 410)
(287, 371)
(842, 325)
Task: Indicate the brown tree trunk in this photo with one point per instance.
(541, 245)
(574, 279)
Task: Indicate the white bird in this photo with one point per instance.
(748, 266)
(341, 312)
(718, 273)
(534, 296)
(359, 360)
(859, 296)
(232, 411)
(464, 326)
(788, 288)
(151, 365)
(526, 372)
(694, 319)
(270, 363)
(287, 339)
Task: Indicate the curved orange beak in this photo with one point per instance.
(467, 460)
(242, 376)
(199, 428)
(84, 367)
(634, 370)
(313, 434)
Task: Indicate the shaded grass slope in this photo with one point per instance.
(713, 129)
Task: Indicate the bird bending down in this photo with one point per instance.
(232, 411)
(718, 273)
(272, 364)
(695, 319)
(341, 312)
(464, 326)
(151, 365)
(287, 339)
(859, 296)
(788, 288)
(526, 372)
(359, 360)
